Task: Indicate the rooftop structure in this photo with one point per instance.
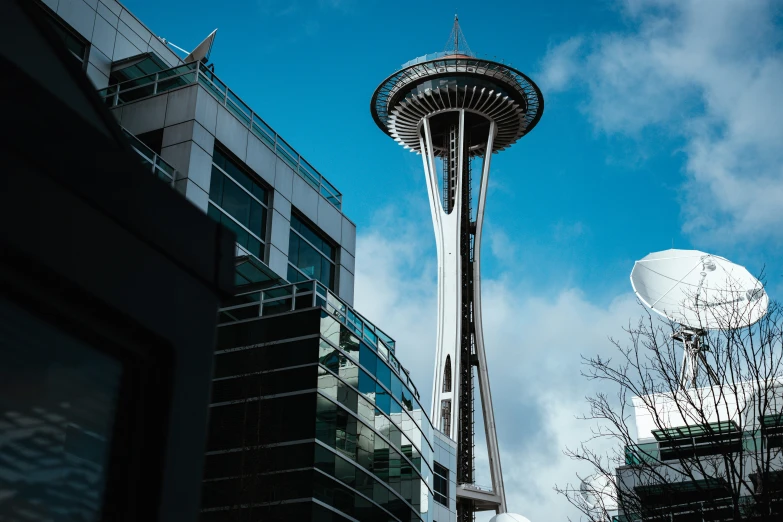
(453, 107)
(698, 448)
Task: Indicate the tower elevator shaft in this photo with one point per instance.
(452, 178)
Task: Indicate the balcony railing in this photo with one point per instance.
(309, 294)
(157, 165)
(191, 73)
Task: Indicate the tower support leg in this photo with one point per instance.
(460, 343)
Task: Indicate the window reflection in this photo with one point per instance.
(233, 193)
(310, 254)
(58, 400)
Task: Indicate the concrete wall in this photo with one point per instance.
(192, 119)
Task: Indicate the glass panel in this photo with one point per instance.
(276, 307)
(383, 374)
(365, 445)
(367, 385)
(58, 398)
(382, 399)
(257, 220)
(309, 175)
(288, 154)
(345, 471)
(237, 111)
(173, 83)
(330, 329)
(328, 356)
(136, 94)
(349, 343)
(255, 247)
(324, 459)
(213, 89)
(325, 420)
(236, 202)
(165, 167)
(368, 359)
(308, 260)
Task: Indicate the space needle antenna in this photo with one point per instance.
(456, 34)
(457, 40)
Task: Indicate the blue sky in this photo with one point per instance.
(662, 127)
(589, 201)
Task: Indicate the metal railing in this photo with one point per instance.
(157, 165)
(192, 73)
(309, 294)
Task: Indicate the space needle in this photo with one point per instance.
(450, 108)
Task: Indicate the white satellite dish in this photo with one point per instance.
(701, 292)
(599, 492)
(201, 52)
(508, 517)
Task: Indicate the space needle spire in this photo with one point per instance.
(451, 108)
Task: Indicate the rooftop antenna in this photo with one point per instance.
(700, 292)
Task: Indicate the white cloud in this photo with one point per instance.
(709, 72)
(562, 64)
(534, 345)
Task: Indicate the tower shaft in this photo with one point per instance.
(459, 344)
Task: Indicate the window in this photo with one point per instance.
(58, 407)
(73, 41)
(440, 484)
(447, 375)
(445, 417)
(310, 254)
(239, 202)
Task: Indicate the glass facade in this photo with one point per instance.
(371, 419)
(371, 459)
(239, 202)
(310, 254)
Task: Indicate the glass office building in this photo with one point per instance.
(312, 415)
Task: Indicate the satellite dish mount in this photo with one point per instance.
(694, 347)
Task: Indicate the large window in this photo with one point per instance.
(441, 484)
(58, 404)
(310, 254)
(239, 202)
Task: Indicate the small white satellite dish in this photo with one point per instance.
(701, 292)
(201, 52)
(599, 492)
(508, 517)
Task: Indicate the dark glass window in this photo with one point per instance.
(58, 400)
(441, 484)
(447, 375)
(310, 254)
(234, 193)
(445, 417)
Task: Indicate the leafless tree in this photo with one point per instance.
(709, 448)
